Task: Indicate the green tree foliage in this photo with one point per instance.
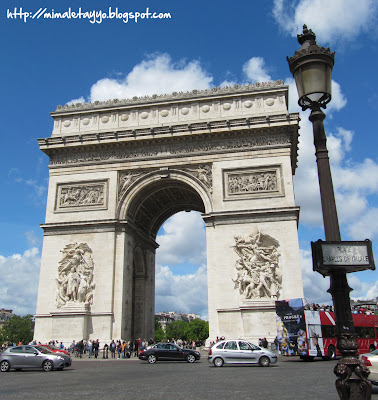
(197, 330)
(18, 329)
(194, 330)
(176, 330)
(160, 335)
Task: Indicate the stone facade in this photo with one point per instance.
(119, 169)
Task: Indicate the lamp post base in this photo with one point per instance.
(352, 382)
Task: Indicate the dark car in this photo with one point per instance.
(168, 352)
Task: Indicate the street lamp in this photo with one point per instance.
(311, 67)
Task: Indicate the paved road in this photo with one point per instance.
(134, 379)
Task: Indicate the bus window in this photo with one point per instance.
(359, 331)
(328, 331)
(369, 332)
(365, 332)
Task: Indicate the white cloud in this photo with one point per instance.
(158, 74)
(183, 240)
(19, 281)
(39, 192)
(354, 181)
(315, 286)
(331, 21)
(33, 239)
(181, 293)
(75, 101)
(256, 70)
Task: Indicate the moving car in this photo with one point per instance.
(240, 352)
(168, 352)
(20, 357)
(371, 361)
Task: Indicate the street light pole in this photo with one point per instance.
(311, 67)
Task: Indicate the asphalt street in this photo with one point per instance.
(134, 379)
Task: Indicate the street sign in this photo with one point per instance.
(351, 256)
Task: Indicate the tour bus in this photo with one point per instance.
(308, 334)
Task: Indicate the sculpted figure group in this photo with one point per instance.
(81, 195)
(75, 275)
(252, 182)
(257, 272)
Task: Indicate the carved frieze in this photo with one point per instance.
(81, 196)
(173, 150)
(75, 275)
(252, 182)
(125, 180)
(204, 174)
(257, 270)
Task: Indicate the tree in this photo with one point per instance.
(197, 330)
(18, 329)
(177, 330)
(159, 331)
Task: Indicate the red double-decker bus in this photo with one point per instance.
(310, 334)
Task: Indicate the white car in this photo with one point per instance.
(237, 351)
(371, 361)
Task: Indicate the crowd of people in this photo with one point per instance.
(317, 307)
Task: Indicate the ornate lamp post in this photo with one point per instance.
(311, 67)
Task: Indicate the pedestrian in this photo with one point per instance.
(90, 348)
(119, 349)
(96, 346)
(80, 348)
(112, 348)
(105, 351)
(136, 347)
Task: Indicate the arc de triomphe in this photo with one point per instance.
(119, 169)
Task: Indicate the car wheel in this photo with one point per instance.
(218, 362)
(151, 359)
(190, 358)
(47, 366)
(4, 366)
(371, 348)
(264, 361)
(331, 352)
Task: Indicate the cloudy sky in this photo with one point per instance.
(47, 62)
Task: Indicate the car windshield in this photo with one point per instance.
(43, 349)
(52, 347)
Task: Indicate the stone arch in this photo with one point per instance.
(153, 198)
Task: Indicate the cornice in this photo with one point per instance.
(251, 216)
(156, 133)
(175, 96)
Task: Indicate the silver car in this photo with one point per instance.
(20, 357)
(240, 352)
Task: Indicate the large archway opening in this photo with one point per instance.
(165, 211)
(181, 273)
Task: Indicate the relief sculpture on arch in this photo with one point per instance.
(75, 275)
(257, 270)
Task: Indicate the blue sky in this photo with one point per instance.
(47, 62)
